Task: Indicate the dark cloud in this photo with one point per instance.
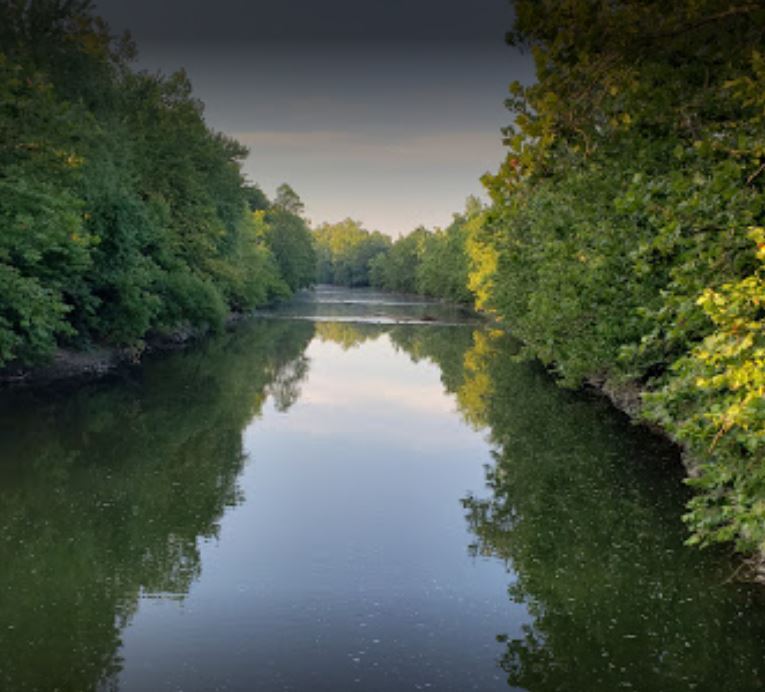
(310, 20)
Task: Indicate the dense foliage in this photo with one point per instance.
(121, 211)
(431, 263)
(618, 245)
(345, 251)
(288, 237)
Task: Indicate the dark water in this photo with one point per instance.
(376, 498)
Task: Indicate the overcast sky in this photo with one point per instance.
(385, 111)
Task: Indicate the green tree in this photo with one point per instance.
(345, 251)
(288, 200)
(443, 269)
(123, 213)
(634, 171)
(397, 270)
(289, 239)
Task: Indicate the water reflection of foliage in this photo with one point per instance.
(106, 493)
(581, 508)
(444, 346)
(285, 387)
(348, 335)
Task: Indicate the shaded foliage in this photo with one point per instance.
(122, 212)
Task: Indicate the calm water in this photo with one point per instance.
(359, 492)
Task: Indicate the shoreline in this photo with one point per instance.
(626, 397)
(70, 366)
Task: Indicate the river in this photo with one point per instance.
(358, 491)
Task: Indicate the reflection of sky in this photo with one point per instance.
(348, 560)
(374, 400)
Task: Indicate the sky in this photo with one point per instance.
(387, 112)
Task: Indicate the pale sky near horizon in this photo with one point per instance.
(387, 112)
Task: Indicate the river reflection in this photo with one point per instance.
(585, 510)
(105, 494)
(284, 507)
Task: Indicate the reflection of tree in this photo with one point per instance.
(105, 493)
(444, 346)
(285, 387)
(348, 335)
(474, 394)
(582, 509)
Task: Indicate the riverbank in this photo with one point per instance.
(70, 365)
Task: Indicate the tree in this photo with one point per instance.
(443, 269)
(288, 200)
(289, 239)
(123, 213)
(345, 251)
(256, 199)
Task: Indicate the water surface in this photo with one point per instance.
(359, 492)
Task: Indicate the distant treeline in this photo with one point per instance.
(431, 263)
(121, 212)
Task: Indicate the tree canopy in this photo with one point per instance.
(122, 212)
(432, 263)
(345, 251)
